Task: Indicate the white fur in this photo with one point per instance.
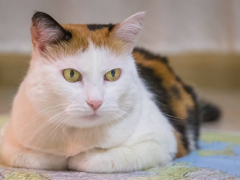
(191, 138)
(52, 126)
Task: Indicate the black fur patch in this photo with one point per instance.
(154, 84)
(178, 79)
(175, 92)
(94, 27)
(149, 56)
(43, 18)
(162, 99)
(210, 112)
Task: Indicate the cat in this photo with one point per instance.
(92, 102)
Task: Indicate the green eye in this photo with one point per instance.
(113, 75)
(71, 75)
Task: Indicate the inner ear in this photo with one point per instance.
(128, 30)
(45, 30)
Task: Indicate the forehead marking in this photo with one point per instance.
(79, 42)
(93, 27)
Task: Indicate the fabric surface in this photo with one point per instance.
(217, 158)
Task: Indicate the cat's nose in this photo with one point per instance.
(94, 104)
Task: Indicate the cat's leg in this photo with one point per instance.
(122, 159)
(14, 155)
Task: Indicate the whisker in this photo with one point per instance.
(159, 102)
(44, 125)
(121, 114)
(56, 129)
(43, 112)
(173, 117)
(125, 105)
(62, 123)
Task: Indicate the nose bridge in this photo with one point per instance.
(93, 92)
(93, 81)
(94, 96)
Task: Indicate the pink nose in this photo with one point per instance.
(94, 104)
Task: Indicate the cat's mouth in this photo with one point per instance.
(92, 116)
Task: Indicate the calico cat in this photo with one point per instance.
(92, 102)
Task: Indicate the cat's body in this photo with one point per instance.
(146, 118)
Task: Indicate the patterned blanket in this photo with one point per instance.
(218, 158)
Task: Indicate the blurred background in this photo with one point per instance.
(200, 37)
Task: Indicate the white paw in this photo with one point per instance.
(91, 161)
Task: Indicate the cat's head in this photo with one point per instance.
(83, 75)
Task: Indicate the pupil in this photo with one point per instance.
(72, 73)
(113, 73)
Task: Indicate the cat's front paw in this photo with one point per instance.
(90, 161)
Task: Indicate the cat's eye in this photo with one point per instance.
(112, 75)
(71, 75)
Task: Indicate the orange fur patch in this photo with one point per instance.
(179, 106)
(181, 151)
(80, 41)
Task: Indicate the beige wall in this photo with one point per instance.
(171, 26)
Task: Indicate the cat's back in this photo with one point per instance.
(175, 99)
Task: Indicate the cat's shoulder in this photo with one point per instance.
(147, 55)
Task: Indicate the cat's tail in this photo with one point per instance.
(210, 111)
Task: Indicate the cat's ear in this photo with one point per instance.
(45, 30)
(128, 30)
